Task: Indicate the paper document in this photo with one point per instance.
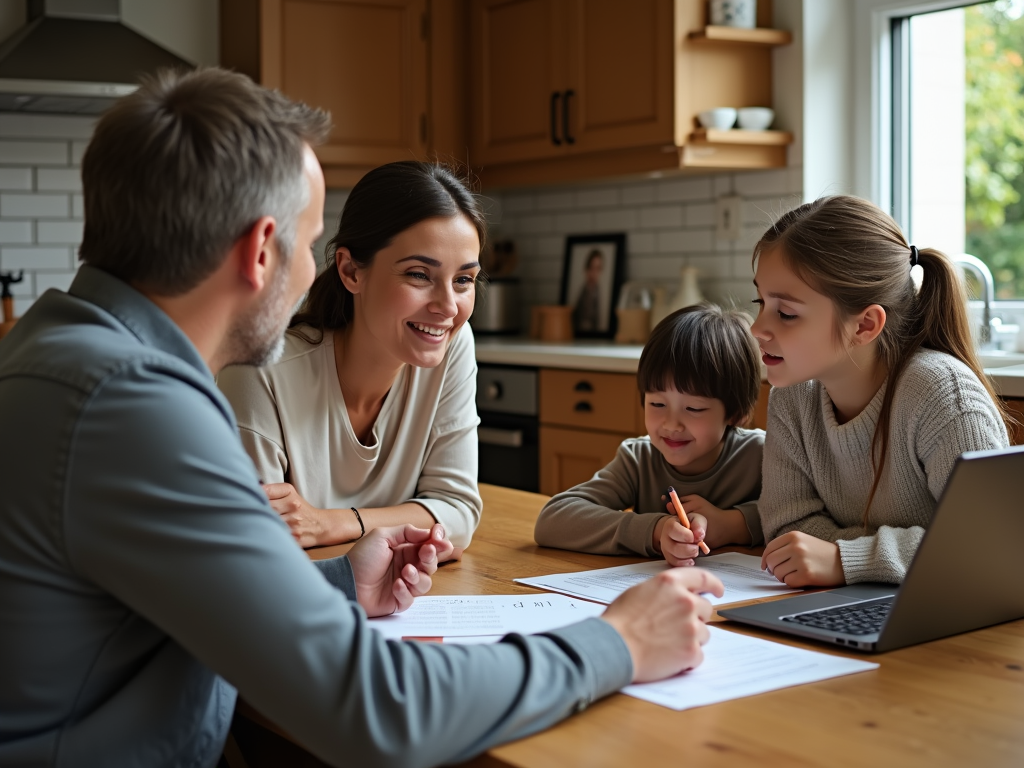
(736, 665)
(741, 575)
(485, 615)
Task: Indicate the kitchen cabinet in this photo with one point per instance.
(584, 416)
(572, 89)
(1016, 408)
(391, 73)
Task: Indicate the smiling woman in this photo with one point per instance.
(369, 418)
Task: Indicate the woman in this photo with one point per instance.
(369, 419)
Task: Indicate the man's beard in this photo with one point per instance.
(257, 338)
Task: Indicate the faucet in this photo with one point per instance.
(984, 275)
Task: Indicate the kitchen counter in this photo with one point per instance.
(585, 355)
(602, 355)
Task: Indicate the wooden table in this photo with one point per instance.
(957, 701)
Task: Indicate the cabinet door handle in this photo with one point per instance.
(554, 119)
(583, 407)
(510, 438)
(565, 117)
(583, 386)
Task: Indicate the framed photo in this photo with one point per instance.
(591, 277)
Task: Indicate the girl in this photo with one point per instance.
(369, 419)
(877, 391)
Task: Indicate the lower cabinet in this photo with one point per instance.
(1016, 408)
(569, 457)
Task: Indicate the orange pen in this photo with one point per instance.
(682, 516)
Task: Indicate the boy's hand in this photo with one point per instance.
(801, 560)
(722, 526)
(677, 544)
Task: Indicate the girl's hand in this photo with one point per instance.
(800, 560)
(308, 524)
(677, 544)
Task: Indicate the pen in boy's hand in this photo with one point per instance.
(681, 513)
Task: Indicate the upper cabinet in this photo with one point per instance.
(380, 67)
(570, 89)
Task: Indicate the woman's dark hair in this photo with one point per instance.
(705, 351)
(385, 202)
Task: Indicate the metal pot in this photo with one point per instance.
(497, 308)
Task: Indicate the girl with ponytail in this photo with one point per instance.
(876, 392)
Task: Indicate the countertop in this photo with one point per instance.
(601, 355)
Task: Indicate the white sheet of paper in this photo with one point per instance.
(736, 665)
(451, 616)
(741, 575)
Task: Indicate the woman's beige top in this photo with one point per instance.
(294, 424)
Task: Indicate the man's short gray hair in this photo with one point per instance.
(184, 166)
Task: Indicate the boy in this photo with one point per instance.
(698, 377)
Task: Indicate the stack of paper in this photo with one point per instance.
(741, 575)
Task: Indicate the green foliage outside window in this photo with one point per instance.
(994, 114)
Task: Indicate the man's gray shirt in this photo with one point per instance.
(144, 577)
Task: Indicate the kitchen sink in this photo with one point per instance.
(999, 359)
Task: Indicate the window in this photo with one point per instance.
(958, 134)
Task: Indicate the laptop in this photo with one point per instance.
(968, 572)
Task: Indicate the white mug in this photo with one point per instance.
(734, 13)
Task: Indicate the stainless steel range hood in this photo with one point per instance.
(75, 57)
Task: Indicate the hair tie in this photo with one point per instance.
(913, 256)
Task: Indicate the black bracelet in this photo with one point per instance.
(362, 528)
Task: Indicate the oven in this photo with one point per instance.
(506, 399)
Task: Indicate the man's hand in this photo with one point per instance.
(309, 525)
(800, 560)
(393, 565)
(663, 621)
(678, 545)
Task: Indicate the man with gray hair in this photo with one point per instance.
(144, 577)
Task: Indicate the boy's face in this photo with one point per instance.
(687, 429)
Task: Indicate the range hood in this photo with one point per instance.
(75, 57)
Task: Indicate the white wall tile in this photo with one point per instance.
(597, 198)
(556, 201)
(541, 223)
(639, 194)
(34, 206)
(661, 217)
(519, 203)
(78, 206)
(35, 258)
(712, 266)
(700, 215)
(550, 246)
(773, 182)
(34, 152)
(59, 280)
(684, 189)
(58, 180)
(617, 219)
(574, 223)
(15, 232)
(641, 242)
(27, 286)
(18, 125)
(78, 149)
(16, 179)
(723, 184)
(69, 232)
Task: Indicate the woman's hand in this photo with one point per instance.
(678, 545)
(801, 560)
(309, 525)
(392, 566)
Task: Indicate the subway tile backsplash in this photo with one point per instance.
(669, 223)
(40, 200)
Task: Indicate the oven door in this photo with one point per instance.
(509, 452)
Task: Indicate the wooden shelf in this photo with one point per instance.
(736, 136)
(756, 36)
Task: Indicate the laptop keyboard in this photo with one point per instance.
(863, 618)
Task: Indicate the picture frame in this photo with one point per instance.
(592, 275)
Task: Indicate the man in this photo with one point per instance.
(143, 575)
